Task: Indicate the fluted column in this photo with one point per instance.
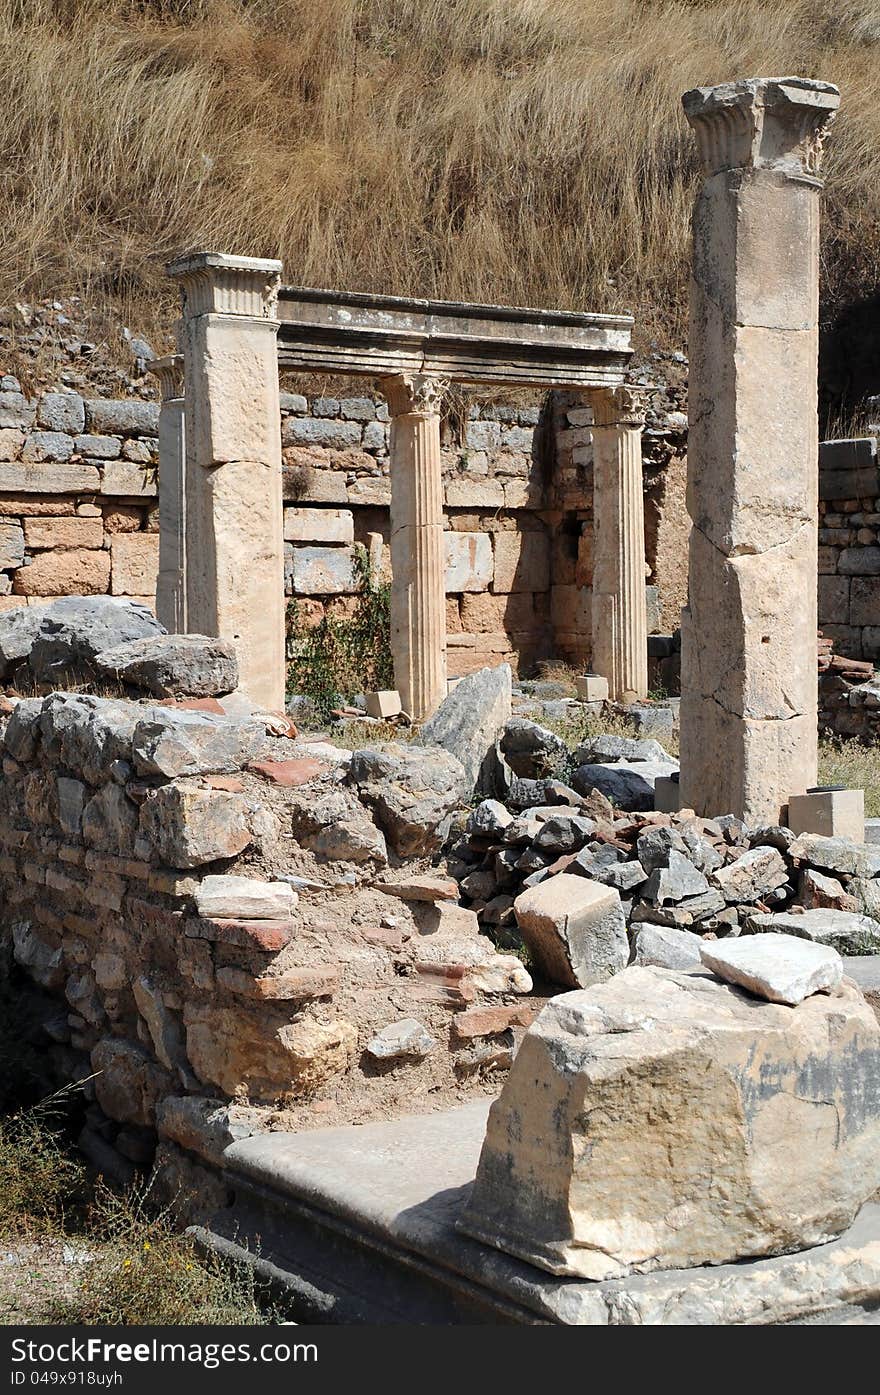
(620, 625)
(171, 585)
(234, 545)
(748, 707)
(418, 592)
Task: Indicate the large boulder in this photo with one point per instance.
(531, 751)
(469, 722)
(173, 665)
(628, 784)
(574, 928)
(66, 635)
(665, 1119)
(413, 793)
(845, 931)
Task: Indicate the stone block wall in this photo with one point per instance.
(849, 547)
(78, 487)
(78, 511)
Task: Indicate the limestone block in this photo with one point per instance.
(829, 813)
(375, 493)
(65, 573)
(128, 1083)
(482, 435)
(173, 665)
(384, 704)
(470, 720)
(482, 612)
(177, 743)
(323, 571)
(49, 479)
(189, 826)
(474, 492)
(779, 968)
(63, 532)
(11, 545)
(122, 416)
(575, 929)
(71, 802)
(243, 1053)
(834, 601)
(135, 560)
(127, 480)
(591, 687)
(846, 931)
(313, 431)
(357, 408)
(522, 562)
(15, 411)
(658, 1121)
(47, 445)
(244, 898)
(469, 561)
(98, 447)
(319, 525)
(11, 443)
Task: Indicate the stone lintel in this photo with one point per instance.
(367, 335)
(169, 371)
(214, 283)
(762, 123)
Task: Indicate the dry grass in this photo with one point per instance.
(527, 151)
(851, 763)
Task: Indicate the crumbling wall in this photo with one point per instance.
(849, 547)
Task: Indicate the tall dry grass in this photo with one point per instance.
(527, 151)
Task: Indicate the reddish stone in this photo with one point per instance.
(280, 724)
(293, 985)
(289, 773)
(265, 936)
(382, 935)
(560, 864)
(205, 704)
(485, 1022)
(225, 782)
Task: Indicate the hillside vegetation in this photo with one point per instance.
(527, 151)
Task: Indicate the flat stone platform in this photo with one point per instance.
(357, 1225)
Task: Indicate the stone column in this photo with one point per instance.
(171, 586)
(418, 563)
(234, 547)
(620, 624)
(748, 708)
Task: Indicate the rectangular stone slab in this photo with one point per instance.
(380, 1201)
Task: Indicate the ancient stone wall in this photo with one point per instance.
(849, 547)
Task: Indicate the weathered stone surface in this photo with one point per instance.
(469, 722)
(846, 931)
(124, 416)
(667, 948)
(62, 411)
(406, 1039)
(780, 968)
(69, 632)
(75, 571)
(240, 1053)
(323, 571)
(43, 961)
(204, 1126)
(836, 855)
(658, 1121)
(412, 792)
(490, 819)
(319, 525)
(564, 833)
(244, 898)
(177, 742)
(816, 890)
(424, 886)
(531, 750)
(755, 874)
(605, 749)
(629, 785)
(189, 826)
(173, 665)
(128, 1083)
(575, 929)
(355, 839)
(677, 880)
(468, 562)
(109, 821)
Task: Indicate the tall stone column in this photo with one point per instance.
(620, 624)
(234, 547)
(748, 708)
(418, 568)
(171, 585)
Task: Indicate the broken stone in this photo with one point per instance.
(606, 748)
(845, 931)
(293, 985)
(355, 840)
(626, 876)
(574, 928)
(173, 665)
(752, 876)
(531, 750)
(128, 1083)
(73, 630)
(469, 722)
(817, 892)
(194, 743)
(627, 785)
(780, 968)
(657, 1121)
(412, 791)
(189, 827)
(489, 820)
(289, 774)
(203, 1126)
(244, 898)
(667, 948)
(421, 887)
(676, 881)
(836, 855)
(240, 1052)
(406, 1039)
(564, 833)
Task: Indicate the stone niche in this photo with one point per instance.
(665, 1119)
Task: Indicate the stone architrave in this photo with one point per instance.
(171, 585)
(620, 623)
(418, 565)
(748, 708)
(234, 546)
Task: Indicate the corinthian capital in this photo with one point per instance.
(762, 123)
(621, 406)
(410, 394)
(169, 371)
(214, 283)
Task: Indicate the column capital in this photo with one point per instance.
(214, 283)
(169, 371)
(620, 406)
(414, 394)
(762, 123)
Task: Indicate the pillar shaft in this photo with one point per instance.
(748, 708)
(418, 591)
(171, 584)
(620, 626)
(234, 547)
